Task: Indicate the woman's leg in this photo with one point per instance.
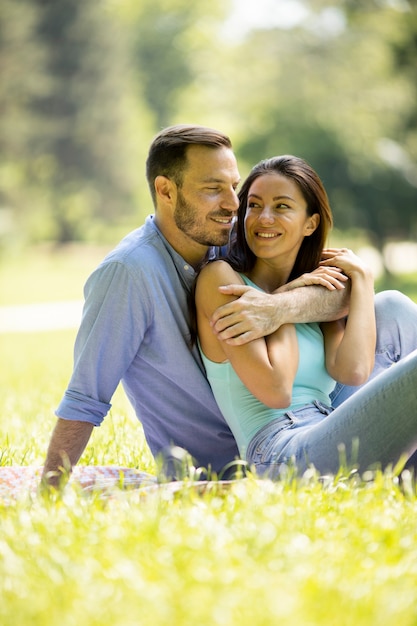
(381, 417)
(396, 323)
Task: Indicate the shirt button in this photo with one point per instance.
(186, 267)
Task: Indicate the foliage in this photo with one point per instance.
(335, 91)
(80, 135)
(86, 85)
(406, 284)
(164, 45)
(75, 159)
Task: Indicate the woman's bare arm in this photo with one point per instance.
(256, 314)
(350, 348)
(266, 367)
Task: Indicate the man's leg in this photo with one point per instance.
(396, 325)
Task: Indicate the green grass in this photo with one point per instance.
(260, 554)
(37, 373)
(299, 553)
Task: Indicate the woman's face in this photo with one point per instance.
(276, 219)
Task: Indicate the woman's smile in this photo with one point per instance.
(267, 234)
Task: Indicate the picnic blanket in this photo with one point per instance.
(19, 482)
(22, 481)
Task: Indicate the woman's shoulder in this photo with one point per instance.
(211, 277)
(218, 270)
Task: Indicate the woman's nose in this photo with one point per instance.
(266, 215)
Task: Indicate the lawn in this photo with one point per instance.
(340, 551)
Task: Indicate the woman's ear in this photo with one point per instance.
(165, 190)
(311, 225)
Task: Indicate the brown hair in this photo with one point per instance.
(241, 257)
(168, 151)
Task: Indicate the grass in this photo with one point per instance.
(38, 369)
(260, 554)
(308, 552)
(47, 273)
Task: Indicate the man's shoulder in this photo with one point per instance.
(141, 247)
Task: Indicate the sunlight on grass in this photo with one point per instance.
(309, 552)
(298, 553)
(37, 373)
(260, 553)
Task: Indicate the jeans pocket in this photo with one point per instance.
(266, 439)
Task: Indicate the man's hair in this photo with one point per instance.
(168, 151)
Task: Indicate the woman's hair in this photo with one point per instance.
(241, 257)
(168, 151)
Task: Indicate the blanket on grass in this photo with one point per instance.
(20, 482)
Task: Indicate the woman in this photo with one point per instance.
(274, 392)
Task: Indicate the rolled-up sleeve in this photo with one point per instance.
(76, 406)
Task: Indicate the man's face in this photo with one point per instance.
(207, 201)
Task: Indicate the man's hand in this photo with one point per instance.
(253, 315)
(256, 314)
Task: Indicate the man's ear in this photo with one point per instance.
(165, 189)
(311, 225)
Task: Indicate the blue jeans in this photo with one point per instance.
(367, 426)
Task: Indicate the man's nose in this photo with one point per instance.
(230, 200)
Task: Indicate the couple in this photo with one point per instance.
(136, 322)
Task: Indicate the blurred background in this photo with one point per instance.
(86, 84)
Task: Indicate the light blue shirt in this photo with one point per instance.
(135, 329)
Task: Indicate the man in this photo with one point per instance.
(135, 324)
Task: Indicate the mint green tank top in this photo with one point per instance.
(244, 413)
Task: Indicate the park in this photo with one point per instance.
(85, 88)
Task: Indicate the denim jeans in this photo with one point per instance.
(374, 424)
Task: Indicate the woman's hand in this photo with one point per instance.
(345, 260)
(327, 276)
(350, 351)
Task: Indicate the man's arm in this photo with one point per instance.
(101, 356)
(256, 314)
(68, 442)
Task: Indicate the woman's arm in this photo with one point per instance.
(350, 346)
(251, 314)
(266, 367)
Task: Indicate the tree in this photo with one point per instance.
(167, 37)
(72, 142)
(82, 143)
(338, 89)
(21, 81)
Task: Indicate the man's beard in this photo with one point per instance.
(186, 218)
